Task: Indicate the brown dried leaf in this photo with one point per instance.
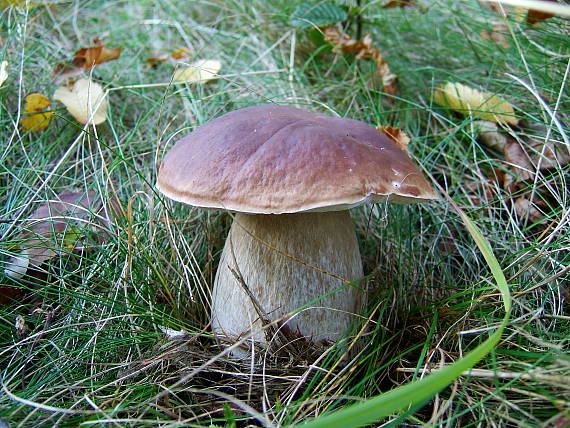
(44, 235)
(496, 35)
(397, 3)
(175, 55)
(561, 420)
(155, 60)
(63, 71)
(396, 135)
(491, 135)
(480, 193)
(518, 161)
(88, 58)
(364, 50)
(180, 53)
(525, 160)
(526, 210)
(535, 16)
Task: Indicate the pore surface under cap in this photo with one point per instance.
(275, 159)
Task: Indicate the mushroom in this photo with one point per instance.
(290, 176)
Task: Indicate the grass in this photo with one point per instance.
(97, 347)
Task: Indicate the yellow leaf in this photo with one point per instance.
(17, 3)
(85, 100)
(180, 53)
(3, 72)
(34, 119)
(468, 101)
(70, 238)
(199, 72)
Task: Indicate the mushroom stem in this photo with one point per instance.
(287, 261)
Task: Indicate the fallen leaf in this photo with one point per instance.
(18, 3)
(63, 71)
(176, 55)
(526, 210)
(88, 58)
(524, 159)
(497, 35)
(155, 60)
(51, 229)
(396, 135)
(364, 50)
(199, 72)
(534, 16)
(397, 3)
(481, 191)
(3, 72)
(469, 101)
(85, 100)
(34, 119)
(180, 53)
(518, 162)
(490, 135)
(562, 420)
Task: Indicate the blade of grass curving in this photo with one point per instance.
(418, 392)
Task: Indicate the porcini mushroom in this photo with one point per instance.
(290, 176)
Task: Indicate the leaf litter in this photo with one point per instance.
(85, 100)
(524, 147)
(524, 156)
(54, 227)
(364, 50)
(85, 59)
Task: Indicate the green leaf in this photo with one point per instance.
(317, 14)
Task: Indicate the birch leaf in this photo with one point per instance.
(467, 100)
(199, 72)
(85, 100)
(34, 119)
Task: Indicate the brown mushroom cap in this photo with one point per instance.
(272, 159)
